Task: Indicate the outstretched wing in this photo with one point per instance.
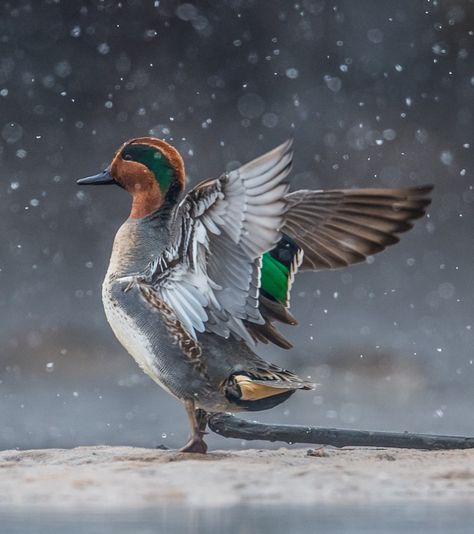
(340, 227)
(327, 230)
(210, 275)
(239, 240)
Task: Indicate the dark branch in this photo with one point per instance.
(232, 427)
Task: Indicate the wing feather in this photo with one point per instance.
(209, 276)
(341, 227)
(338, 228)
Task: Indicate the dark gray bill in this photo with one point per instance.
(102, 178)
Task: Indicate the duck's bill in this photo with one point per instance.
(103, 178)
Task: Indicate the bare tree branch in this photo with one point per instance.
(231, 427)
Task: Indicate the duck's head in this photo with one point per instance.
(150, 169)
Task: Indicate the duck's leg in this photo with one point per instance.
(202, 418)
(197, 421)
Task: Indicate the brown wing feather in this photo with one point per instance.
(340, 227)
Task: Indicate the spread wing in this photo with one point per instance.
(340, 227)
(327, 230)
(239, 240)
(210, 274)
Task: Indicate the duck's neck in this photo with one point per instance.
(145, 203)
(149, 201)
(139, 241)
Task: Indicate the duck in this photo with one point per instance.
(197, 280)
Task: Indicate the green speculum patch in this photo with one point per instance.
(274, 278)
(277, 266)
(152, 158)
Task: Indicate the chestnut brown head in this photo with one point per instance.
(150, 169)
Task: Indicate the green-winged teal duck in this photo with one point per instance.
(196, 281)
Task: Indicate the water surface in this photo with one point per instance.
(406, 519)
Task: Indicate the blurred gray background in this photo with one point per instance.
(375, 93)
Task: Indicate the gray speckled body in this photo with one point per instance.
(143, 333)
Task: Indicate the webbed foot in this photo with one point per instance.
(195, 444)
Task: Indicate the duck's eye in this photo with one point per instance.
(128, 157)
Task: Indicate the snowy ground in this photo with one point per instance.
(129, 477)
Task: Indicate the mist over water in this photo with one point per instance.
(375, 94)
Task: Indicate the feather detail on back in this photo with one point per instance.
(190, 347)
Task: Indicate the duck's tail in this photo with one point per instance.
(263, 388)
